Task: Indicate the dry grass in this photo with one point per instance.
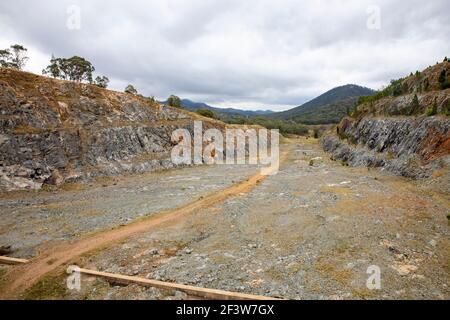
(48, 288)
(363, 293)
(25, 129)
(73, 187)
(51, 206)
(275, 274)
(440, 173)
(341, 276)
(347, 207)
(91, 213)
(337, 190)
(3, 271)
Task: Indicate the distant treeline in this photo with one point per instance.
(285, 127)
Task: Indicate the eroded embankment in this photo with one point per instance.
(54, 131)
(413, 147)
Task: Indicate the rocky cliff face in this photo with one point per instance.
(404, 129)
(411, 147)
(58, 131)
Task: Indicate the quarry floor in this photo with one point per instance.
(309, 232)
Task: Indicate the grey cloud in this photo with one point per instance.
(260, 52)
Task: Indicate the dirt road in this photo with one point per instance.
(54, 256)
(312, 231)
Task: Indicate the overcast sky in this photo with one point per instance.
(250, 54)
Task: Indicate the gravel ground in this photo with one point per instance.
(310, 232)
(30, 221)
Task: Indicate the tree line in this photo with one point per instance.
(75, 68)
(80, 70)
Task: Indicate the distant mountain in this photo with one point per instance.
(193, 106)
(329, 107)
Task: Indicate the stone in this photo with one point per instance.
(55, 179)
(153, 252)
(179, 295)
(404, 269)
(432, 243)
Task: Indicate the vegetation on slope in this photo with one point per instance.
(424, 92)
(328, 114)
(336, 100)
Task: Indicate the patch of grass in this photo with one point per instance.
(294, 267)
(363, 293)
(341, 276)
(48, 288)
(48, 188)
(25, 129)
(275, 274)
(73, 187)
(50, 206)
(221, 259)
(337, 190)
(98, 290)
(433, 110)
(91, 213)
(446, 109)
(2, 272)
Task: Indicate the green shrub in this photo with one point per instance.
(433, 110)
(445, 85)
(426, 85)
(430, 112)
(174, 101)
(130, 89)
(102, 82)
(316, 134)
(205, 113)
(443, 82)
(414, 106)
(446, 109)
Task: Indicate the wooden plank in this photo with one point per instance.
(211, 294)
(8, 260)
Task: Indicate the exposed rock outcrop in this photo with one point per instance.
(56, 131)
(411, 147)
